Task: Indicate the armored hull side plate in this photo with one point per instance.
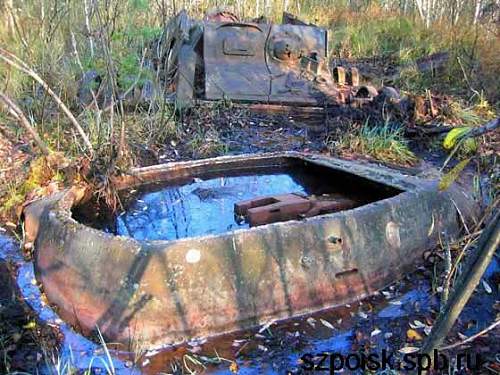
(235, 65)
(168, 291)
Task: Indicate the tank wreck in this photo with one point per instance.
(225, 244)
(279, 66)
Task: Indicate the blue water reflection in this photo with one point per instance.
(200, 208)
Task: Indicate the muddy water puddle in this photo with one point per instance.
(200, 208)
(206, 205)
(378, 322)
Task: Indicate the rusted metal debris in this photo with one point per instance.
(167, 292)
(222, 57)
(272, 209)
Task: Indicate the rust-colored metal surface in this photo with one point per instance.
(267, 62)
(225, 58)
(235, 61)
(167, 292)
(272, 209)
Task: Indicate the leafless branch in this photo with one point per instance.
(473, 337)
(17, 63)
(18, 114)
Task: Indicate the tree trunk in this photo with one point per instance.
(477, 12)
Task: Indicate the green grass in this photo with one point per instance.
(395, 36)
(359, 32)
(383, 142)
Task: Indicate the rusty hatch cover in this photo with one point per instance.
(265, 62)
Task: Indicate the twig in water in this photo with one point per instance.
(473, 337)
(447, 270)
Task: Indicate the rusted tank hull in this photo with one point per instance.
(166, 292)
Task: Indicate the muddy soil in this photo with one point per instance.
(211, 130)
(14, 157)
(23, 336)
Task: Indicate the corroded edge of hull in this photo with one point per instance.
(166, 292)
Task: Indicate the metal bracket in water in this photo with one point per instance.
(272, 209)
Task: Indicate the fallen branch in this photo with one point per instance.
(429, 130)
(17, 63)
(439, 129)
(476, 232)
(18, 114)
(467, 283)
(483, 129)
(471, 338)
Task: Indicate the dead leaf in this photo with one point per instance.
(266, 326)
(375, 332)
(363, 315)
(195, 349)
(326, 323)
(237, 343)
(30, 325)
(487, 287)
(408, 350)
(413, 335)
(417, 324)
(454, 136)
(233, 367)
(152, 353)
